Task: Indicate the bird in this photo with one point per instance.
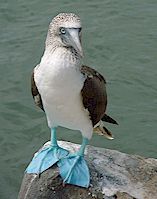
(72, 95)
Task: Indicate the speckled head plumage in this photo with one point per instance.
(65, 31)
(66, 20)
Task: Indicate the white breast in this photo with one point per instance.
(59, 82)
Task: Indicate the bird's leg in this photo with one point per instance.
(53, 138)
(47, 156)
(74, 169)
(85, 141)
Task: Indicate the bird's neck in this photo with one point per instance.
(61, 53)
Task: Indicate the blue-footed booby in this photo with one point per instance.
(72, 95)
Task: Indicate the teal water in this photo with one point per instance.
(119, 40)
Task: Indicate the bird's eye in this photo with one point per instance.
(62, 30)
(80, 30)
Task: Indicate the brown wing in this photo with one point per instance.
(35, 93)
(94, 94)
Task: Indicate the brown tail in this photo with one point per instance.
(108, 119)
(101, 130)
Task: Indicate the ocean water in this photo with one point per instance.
(119, 40)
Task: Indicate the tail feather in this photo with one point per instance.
(108, 119)
(101, 130)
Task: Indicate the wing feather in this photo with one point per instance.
(35, 93)
(94, 94)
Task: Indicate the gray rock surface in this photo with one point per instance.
(113, 175)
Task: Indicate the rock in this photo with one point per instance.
(113, 175)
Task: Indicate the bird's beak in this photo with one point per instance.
(74, 40)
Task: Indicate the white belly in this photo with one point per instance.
(60, 84)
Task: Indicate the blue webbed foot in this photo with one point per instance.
(74, 170)
(45, 158)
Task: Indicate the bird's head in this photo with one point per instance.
(65, 31)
